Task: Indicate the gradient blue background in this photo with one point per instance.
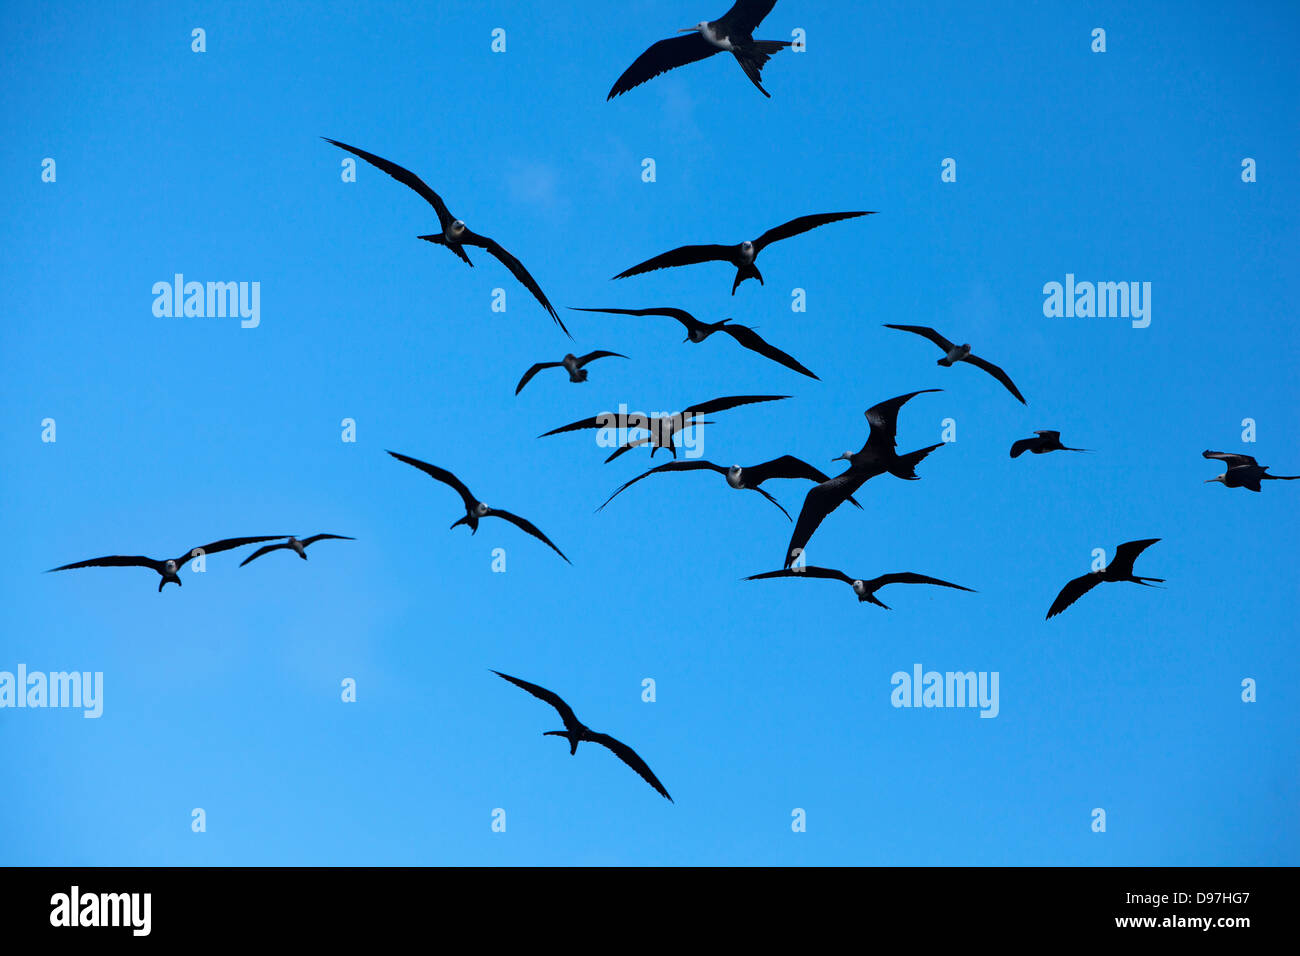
(224, 694)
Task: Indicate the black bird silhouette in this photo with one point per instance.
(1243, 471)
(748, 477)
(697, 331)
(573, 364)
(865, 589)
(961, 353)
(455, 235)
(733, 32)
(1119, 569)
(876, 457)
(475, 509)
(294, 545)
(742, 255)
(168, 568)
(662, 428)
(576, 732)
(1045, 442)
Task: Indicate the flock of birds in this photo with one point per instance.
(733, 33)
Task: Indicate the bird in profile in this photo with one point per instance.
(1045, 442)
(864, 589)
(743, 254)
(576, 732)
(876, 457)
(1243, 471)
(733, 32)
(961, 353)
(573, 364)
(697, 331)
(476, 510)
(1119, 569)
(747, 478)
(294, 545)
(661, 428)
(455, 235)
(167, 568)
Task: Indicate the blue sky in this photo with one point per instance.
(771, 695)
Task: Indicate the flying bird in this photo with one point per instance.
(168, 568)
(1045, 442)
(1243, 471)
(576, 732)
(876, 457)
(455, 235)
(1119, 569)
(961, 353)
(475, 509)
(697, 331)
(864, 589)
(573, 364)
(748, 477)
(661, 428)
(293, 544)
(741, 256)
(733, 32)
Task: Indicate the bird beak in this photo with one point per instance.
(689, 30)
(840, 458)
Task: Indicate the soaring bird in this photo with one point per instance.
(573, 364)
(1119, 569)
(697, 331)
(1045, 442)
(294, 545)
(661, 428)
(733, 31)
(864, 589)
(876, 457)
(1243, 471)
(576, 732)
(475, 509)
(742, 255)
(749, 477)
(961, 353)
(168, 568)
(455, 235)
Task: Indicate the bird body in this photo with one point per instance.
(1119, 569)
(955, 354)
(1242, 471)
(1046, 441)
(865, 589)
(961, 353)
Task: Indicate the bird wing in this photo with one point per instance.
(1018, 448)
(115, 561)
(722, 404)
(805, 572)
(443, 475)
(774, 501)
(787, 466)
(997, 373)
(660, 58)
(629, 756)
(552, 698)
(261, 551)
(599, 353)
(681, 315)
(1231, 459)
(820, 501)
(599, 421)
(755, 343)
(925, 332)
(325, 537)
(1048, 434)
(404, 176)
(495, 249)
(528, 526)
(795, 226)
(911, 577)
(1072, 592)
(681, 256)
(883, 419)
(225, 544)
(1127, 553)
(528, 376)
(670, 466)
(745, 16)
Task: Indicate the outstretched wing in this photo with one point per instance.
(1072, 592)
(528, 526)
(552, 698)
(443, 475)
(910, 577)
(115, 561)
(804, 223)
(226, 544)
(517, 268)
(325, 537)
(745, 16)
(925, 332)
(1018, 448)
(820, 501)
(660, 58)
(697, 465)
(1127, 553)
(1230, 459)
(629, 756)
(261, 551)
(599, 353)
(997, 373)
(681, 256)
(755, 343)
(600, 421)
(1048, 434)
(722, 404)
(528, 376)
(883, 419)
(403, 176)
(681, 315)
(805, 572)
(787, 466)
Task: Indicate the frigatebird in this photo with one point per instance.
(742, 255)
(168, 568)
(748, 477)
(1119, 569)
(865, 589)
(733, 32)
(573, 364)
(1046, 441)
(1243, 471)
(475, 509)
(961, 353)
(576, 732)
(876, 457)
(661, 428)
(294, 545)
(697, 331)
(455, 235)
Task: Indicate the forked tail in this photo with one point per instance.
(906, 465)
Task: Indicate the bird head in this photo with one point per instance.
(734, 475)
(170, 566)
(457, 227)
(481, 510)
(847, 456)
(859, 588)
(698, 28)
(1214, 479)
(747, 249)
